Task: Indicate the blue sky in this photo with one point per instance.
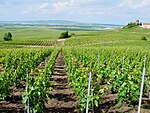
(94, 11)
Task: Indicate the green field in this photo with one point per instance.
(110, 38)
(115, 58)
(29, 33)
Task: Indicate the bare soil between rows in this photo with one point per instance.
(62, 98)
(110, 105)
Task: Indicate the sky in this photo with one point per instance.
(88, 11)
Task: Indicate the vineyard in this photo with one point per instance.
(33, 42)
(25, 80)
(56, 79)
(116, 77)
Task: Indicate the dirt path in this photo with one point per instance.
(62, 99)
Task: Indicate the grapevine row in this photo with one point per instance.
(116, 71)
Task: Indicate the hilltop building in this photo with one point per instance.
(146, 25)
(137, 22)
(133, 24)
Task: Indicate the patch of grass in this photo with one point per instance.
(30, 33)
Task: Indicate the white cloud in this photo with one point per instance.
(40, 8)
(57, 7)
(62, 6)
(80, 2)
(70, 5)
(135, 4)
(43, 6)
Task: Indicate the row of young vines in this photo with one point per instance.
(18, 65)
(33, 43)
(118, 71)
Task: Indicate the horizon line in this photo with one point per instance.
(59, 20)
